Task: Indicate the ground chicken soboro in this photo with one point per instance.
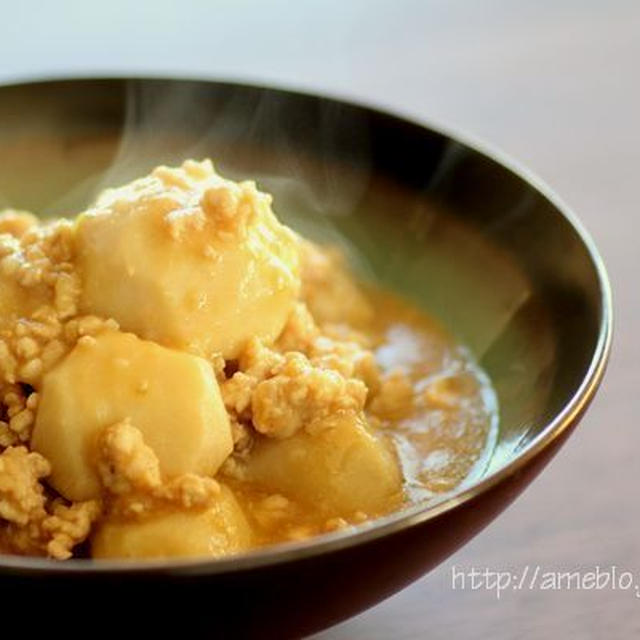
(181, 374)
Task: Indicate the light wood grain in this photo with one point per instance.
(555, 83)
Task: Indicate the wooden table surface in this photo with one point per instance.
(555, 84)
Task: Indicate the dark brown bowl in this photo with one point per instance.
(479, 243)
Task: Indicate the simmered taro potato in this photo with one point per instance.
(339, 468)
(189, 260)
(172, 397)
(217, 530)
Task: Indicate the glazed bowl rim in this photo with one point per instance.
(404, 518)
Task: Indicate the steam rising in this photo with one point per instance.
(252, 135)
(315, 157)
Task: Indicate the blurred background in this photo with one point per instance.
(553, 83)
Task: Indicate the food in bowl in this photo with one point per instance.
(183, 375)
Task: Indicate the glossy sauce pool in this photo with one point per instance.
(443, 434)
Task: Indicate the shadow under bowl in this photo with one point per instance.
(477, 242)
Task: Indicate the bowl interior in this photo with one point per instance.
(463, 236)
